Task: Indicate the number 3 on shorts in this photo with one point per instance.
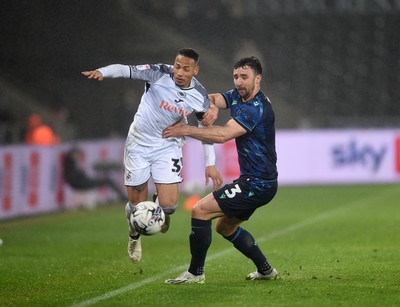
(177, 165)
(232, 192)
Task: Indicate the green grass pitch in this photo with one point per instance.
(333, 246)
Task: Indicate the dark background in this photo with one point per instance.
(328, 63)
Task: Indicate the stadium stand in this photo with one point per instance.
(326, 65)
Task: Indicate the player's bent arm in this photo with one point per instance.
(210, 116)
(218, 100)
(116, 71)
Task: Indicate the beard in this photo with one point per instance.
(244, 93)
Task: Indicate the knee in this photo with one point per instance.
(222, 230)
(168, 210)
(168, 204)
(198, 211)
(225, 229)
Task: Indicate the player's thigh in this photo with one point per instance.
(168, 194)
(167, 165)
(240, 199)
(137, 160)
(207, 208)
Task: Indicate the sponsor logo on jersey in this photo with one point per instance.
(165, 105)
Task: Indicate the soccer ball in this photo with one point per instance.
(147, 218)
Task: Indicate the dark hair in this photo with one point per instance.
(251, 62)
(190, 53)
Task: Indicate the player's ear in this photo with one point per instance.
(258, 79)
(196, 70)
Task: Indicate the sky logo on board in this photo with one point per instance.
(368, 156)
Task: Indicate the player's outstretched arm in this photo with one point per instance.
(93, 74)
(213, 134)
(111, 71)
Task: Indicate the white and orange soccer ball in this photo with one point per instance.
(148, 218)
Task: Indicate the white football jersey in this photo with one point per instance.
(163, 102)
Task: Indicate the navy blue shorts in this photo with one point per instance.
(243, 196)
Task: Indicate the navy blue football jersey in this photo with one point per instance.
(256, 148)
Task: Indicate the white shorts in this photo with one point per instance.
(163, 164)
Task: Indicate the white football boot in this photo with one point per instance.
(258, 276)
(187, 278)
(134, 246)
(135, 249)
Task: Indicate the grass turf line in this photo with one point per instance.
(344, 256)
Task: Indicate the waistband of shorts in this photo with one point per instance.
(256, 178)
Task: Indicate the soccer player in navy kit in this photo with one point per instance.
(252, 125)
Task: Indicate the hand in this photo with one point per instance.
(210, 116)
(93, 74)
(176, 130)
(212, 172)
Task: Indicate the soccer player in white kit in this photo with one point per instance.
(171, 94)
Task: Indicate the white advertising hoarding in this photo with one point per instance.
(31, 177)
(338, 156)
(31, 180)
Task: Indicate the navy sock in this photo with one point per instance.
(200, 240)
(245, 243)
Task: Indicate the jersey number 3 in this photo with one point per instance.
(232, 192)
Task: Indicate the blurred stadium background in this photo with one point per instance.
(328, 63)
